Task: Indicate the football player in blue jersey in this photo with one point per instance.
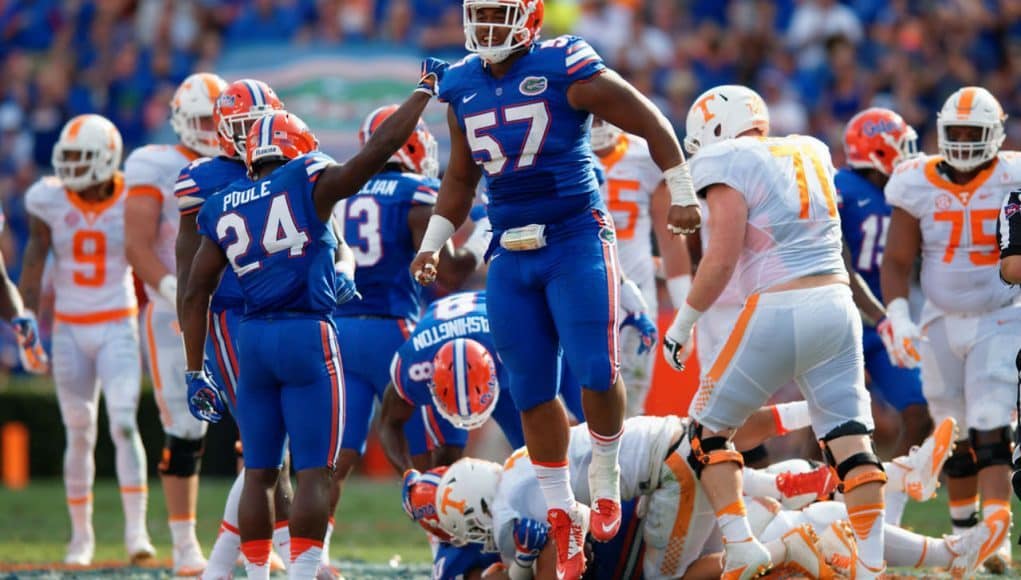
(875, 141)
(239, 105)
(31, 354)
(290, 362)
(385, 222)
(519, 115)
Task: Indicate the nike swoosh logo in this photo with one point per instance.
(466, 100)
(995, 538)
(863, 202)
(560, 575)
(608, 527)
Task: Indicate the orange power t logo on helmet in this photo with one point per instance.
(703, 105)
(446, 501)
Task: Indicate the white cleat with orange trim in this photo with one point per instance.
(976, 545)
(924, 463)
(839, 547)
(80, 552)
(141, 552)
(999, 562)
(745, 559)
(189, 561)
(803, 553)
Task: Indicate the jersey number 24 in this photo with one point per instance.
(280, 234)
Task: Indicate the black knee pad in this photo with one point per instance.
(181, 457)
(961, 464)
(857, 460)
(990, 447)
(755, 455)
(710, 450)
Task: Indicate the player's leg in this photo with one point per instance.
(263, 435)
(943, 387)
(507, 416)
(582, 293)
(635, 368)
(990, 391)
(119, 368)
(829, 344)
(78, 395)
(182, 452)
(526, 340)
(313, 409)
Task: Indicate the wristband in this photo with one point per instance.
(684, 320)
(168, 288)
(898, 310)
(678, 288)
(682, 189)
(439, 230)
(345, 267)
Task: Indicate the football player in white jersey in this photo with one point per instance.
(150, 174)
(639, 201)
(775, 227)
(79, 216)
(945, 207)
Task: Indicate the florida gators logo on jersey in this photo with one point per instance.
(532, 86)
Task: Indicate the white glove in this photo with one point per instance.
(899, 333)
(631, 299)
(168, 288)
(677, 344)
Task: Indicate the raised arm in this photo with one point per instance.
(339, 182)
(610, 97)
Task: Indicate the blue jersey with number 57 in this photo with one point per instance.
(864, 217)
(532, 145)
(375, 225)
(197, 183)
(460, 315)
(281, 251)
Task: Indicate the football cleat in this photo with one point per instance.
(188, 560)
(999, 563)
(821, 481)
(803, 553)
(925, 463)
(80, 552)
(978, 544)
(605, 520)
(745, 559)
(140, 550)
(568, 531)
(839, 547)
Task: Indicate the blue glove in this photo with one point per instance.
(644, 325)
(433, 70)
(346, 289)
(529, 539)
(411, 478)
(30, 352)
(204, 400)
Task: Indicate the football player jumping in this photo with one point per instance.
(518, 114)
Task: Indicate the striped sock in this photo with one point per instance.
(733, 521)
(555, 482)
(604, 471)
(964, 514)
(224, 554)
(282, 540)
(305, 556)
(257, 555)
(867, 522)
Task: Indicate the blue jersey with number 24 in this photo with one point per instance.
(532, 145)
(281, 251)
(864, 217)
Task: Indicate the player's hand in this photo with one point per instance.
(204, 400)
(433, 70)
(30, 347)
(346, 289)
(678, 343)
(529, 538)
(423, 267)
(684, 219)
(899, 335)
(411, 478)
(645, 327)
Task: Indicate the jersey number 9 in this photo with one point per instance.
(89, 250)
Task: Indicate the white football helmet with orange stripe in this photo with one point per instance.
(88, 152)
(464, 502)
(191, 113)
(971, 107)
(722, 113)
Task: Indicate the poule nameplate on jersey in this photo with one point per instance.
(524, 238)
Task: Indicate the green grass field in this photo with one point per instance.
(371, 528)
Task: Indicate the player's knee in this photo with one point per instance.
(122, 425)
(346, 462)
(710, 449)
(850, 451)
(961, 463)
(77, 418)
(181, 457)
(990, 447)
(757, 457)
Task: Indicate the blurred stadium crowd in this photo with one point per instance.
(816, 62)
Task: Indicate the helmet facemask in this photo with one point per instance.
(198, 133)
(603, 135)
(479, 35)
(970, 154)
